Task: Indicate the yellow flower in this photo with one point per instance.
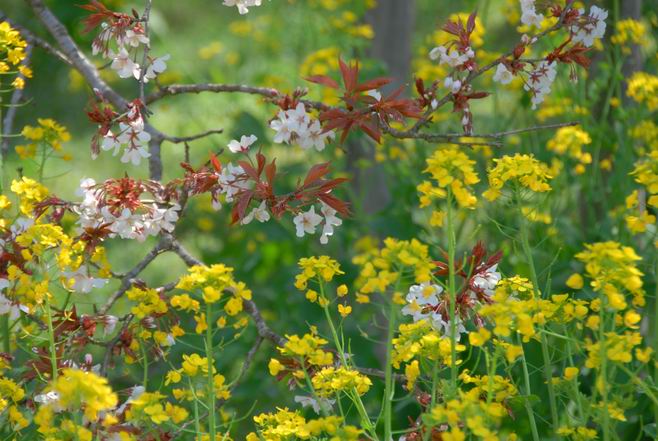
(329, 381)
(275, 367)
(570, 373)
(523, 170)
(613, 271)
(643, 88)
(479, 337)
(575, 281)
(411, 372)
(452, 170)
(571, 141)
(344, 310)
(84, 390)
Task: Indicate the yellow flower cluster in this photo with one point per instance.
(330, 380)
(49, 132)
(629, 32)
(646, 132)
(308, 348)
(322, 62)
(646, 174)
(12, 54)
(612, 269)
(515, 308)
(285, 425)
(498, 387)
(470, 414)
(556, 106)
(618, 348)
(30, 192)
(643, 89)
(9, 391)
(212, 282)
(381, 267)
(571, 141)
(639, 218)
(451, 169)
(420, 341)
(147, 408)
(149, 302)
(520, 170)
(78, 390)
(579, 433)
(321, 267)
(195, 368)
(348, 23)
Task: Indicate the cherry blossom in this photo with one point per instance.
(243, 145)
(133, 37)
(242, 5)
(296, 125)
(529, 16)
(306, 222)
(123, 64)
(259, 213)
(503, 75)
(421, 300)
(156, 67)
(454, 58)
(452, 84)
(330, 221)
(591, 27)
(540, 80)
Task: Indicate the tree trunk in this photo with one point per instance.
(393, 22)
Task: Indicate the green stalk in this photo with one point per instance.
(528, 406)
(604, 370)
(452, 245)
(51, 339)
(6, 339)
(525, 243)
(210, 380)
(363, 414)
(389, 388)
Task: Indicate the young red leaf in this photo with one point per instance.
(323, 80)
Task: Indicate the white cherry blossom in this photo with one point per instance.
(503, 74)
(259, 213)
(306, 222)
(124, 65)
(243, 145)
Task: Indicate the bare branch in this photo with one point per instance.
(177, 89)
(461, 139)
(182, 139)
(129, 278)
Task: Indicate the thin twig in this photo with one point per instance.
(182, 139)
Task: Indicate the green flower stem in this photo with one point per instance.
(389, 386)
(452, 245)
(210, 380)
(528, 406)
(6, 338)
(604, 370)
(51, 339)
(363, 414)
(525, 243)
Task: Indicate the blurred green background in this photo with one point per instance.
(276, 45)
